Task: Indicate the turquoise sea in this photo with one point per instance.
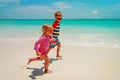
(75, 32)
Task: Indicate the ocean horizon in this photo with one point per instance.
(75, 32)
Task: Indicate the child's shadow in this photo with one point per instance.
(36, 72)
(52, 59)
(39, 71)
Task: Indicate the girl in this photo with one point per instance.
(41, 47)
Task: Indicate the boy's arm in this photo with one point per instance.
(55, 24)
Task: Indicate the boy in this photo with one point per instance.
(56, 33)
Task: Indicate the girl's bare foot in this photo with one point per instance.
(48, 71)
(28, 61)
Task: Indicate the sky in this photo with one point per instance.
(71, 9)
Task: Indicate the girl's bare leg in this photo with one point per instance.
(47, 60)
(34, 59)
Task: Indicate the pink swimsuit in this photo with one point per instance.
(42, 44)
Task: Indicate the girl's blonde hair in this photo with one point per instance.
(45, 27)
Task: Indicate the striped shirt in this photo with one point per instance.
(56, 30)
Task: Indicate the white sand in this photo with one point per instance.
(79, 63)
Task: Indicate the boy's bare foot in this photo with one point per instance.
(59, 57)
(48, 71)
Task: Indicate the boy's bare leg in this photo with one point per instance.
(58, 51)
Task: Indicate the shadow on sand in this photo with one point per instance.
(52, 59)
(38, 71)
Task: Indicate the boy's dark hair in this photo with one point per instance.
(57, 13)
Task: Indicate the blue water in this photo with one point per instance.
(80, 32)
